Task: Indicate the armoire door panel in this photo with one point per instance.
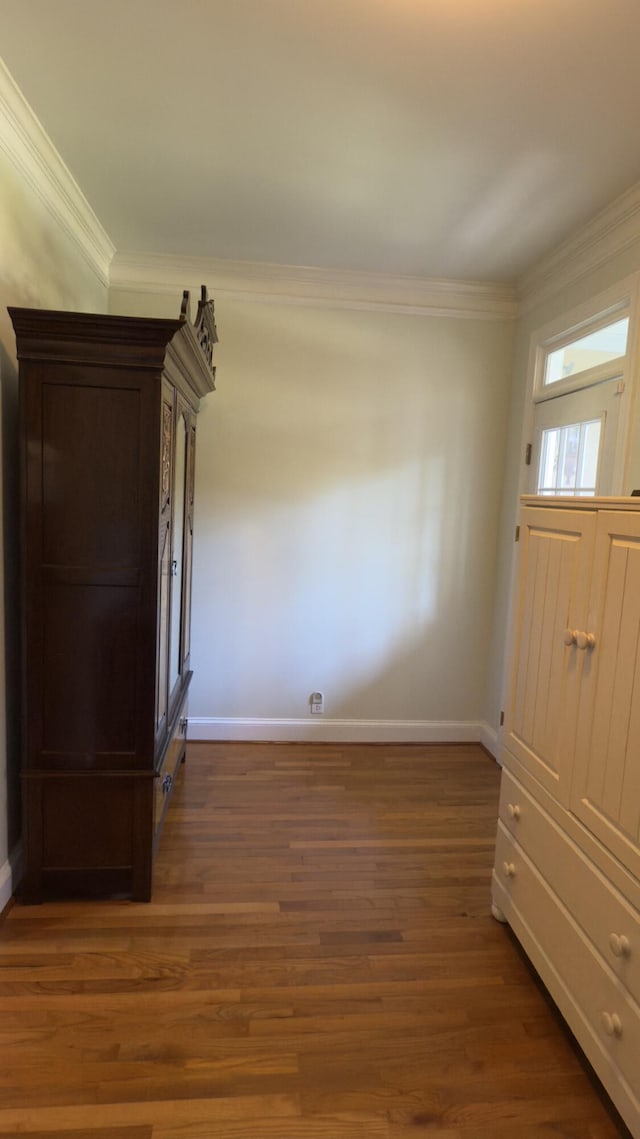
(90, 475)
(555, 564)
(166, 447)
(167, 444)
(178, 521)
(89, 669)
(188, 551)
(606, 788)
(162, 659)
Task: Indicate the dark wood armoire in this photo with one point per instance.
(108, 410)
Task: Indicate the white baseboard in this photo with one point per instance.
(490, 739)
(10, 876)
(322, 729)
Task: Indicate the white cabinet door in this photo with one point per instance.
(606, 785)
(555, 557)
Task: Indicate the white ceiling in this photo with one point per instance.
(438, 138)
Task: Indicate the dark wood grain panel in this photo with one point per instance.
(86, 822)
(90, 657)
(91, 472)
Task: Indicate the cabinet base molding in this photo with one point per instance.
(83, 834)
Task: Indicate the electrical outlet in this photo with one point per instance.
(316, 701)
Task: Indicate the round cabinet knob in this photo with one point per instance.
(570, 636)
(513, 810)
(585, 640)
(612, 1024)
(509, 869)
(619, 945)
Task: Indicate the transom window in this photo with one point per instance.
(591, 351)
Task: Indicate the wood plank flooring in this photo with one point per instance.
(318, 962)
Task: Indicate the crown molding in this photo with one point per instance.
(25, 142)
(326, 288)
(28, 147)
(611, 232)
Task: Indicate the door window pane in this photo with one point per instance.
(608, 343)
(569, 459)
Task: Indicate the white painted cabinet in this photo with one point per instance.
(556, 548)
(606, 783)
(567, 869)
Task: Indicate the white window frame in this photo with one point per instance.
(620, 300)
(587, 376)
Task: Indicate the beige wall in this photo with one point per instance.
(40, 266)
(349, 479)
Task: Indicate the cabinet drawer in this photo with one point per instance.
(609, 921)
(612, 1018)
(166, 777)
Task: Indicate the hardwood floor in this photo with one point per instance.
(318, 962)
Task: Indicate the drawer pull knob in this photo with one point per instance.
(513, 810)
(585, 640)
(509, 869)
(619, 945)
(570, 636)
(612, 1024)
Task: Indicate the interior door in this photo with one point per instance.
(575, 442)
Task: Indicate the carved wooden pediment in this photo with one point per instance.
(204, 325)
